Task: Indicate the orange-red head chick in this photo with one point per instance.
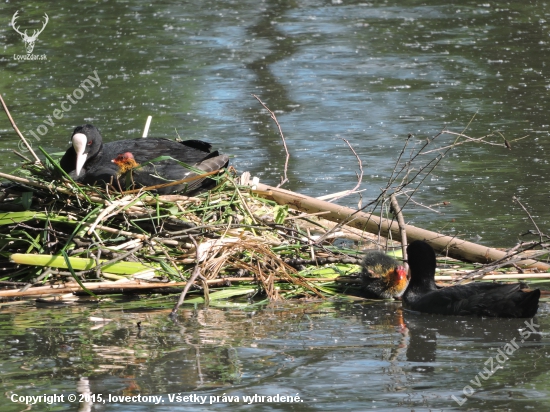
(382, 276)
(125, 162)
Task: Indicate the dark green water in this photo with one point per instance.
(368, 72)
(332, 356)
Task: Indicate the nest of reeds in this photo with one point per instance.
(57, 236)
(54, 232)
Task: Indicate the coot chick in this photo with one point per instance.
(472, 299)
(90, 161)
(125, 162)
(382, 276)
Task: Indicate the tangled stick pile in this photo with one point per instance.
(53, 230)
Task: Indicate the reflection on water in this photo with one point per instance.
(368, 72)
(335, 356)
(439, 339)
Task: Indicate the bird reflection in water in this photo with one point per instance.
(425, 330)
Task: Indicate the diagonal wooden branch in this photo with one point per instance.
(453, 246)
(401, 222)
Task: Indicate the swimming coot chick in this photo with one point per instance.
(382, 276)
(91, 161)
(473, 299)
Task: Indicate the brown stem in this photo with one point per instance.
(17, 130)
(285, 179)
(515, 199)
(401, 222)
(359, 175)
(196, 273)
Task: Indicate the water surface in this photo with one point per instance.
(333, 356)
(369, 72)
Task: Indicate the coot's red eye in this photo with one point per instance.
(90, 143)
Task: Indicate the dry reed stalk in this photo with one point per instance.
(285, 179)
(5, 107)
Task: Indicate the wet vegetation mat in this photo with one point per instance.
(240, 239)
(57, 237)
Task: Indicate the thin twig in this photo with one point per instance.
(400, 156)
(515, 199)
(510, 259)
(410, 199)
(22, 156)
(359, 175)
(468, 139)
(285, 179)
(17, 130)
(407, 180)
(196, 273)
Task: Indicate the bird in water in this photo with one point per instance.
(382, 276)
(473, 299)
(91, 161)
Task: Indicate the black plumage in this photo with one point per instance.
(90, 161)
(473, 299)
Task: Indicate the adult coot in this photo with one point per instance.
(91, 161)
(474, 299)
(382, 276)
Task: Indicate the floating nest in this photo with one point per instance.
(57, 236)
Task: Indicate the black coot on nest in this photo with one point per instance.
(91, 161)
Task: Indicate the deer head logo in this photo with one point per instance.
(29, 40)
